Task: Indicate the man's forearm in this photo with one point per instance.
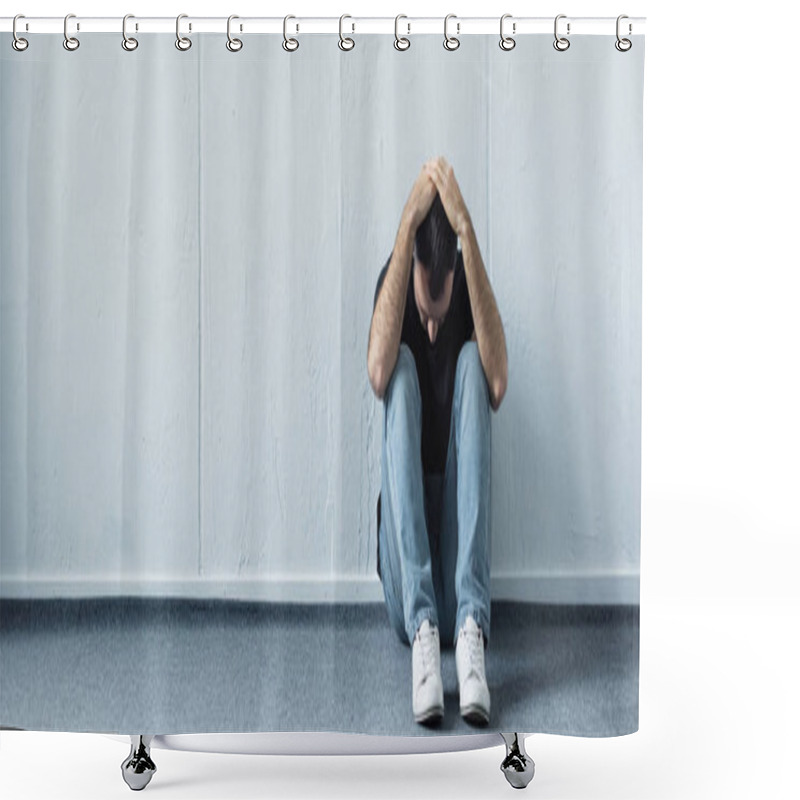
(387, 319)
(489, 332)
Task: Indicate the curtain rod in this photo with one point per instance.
(408, 26)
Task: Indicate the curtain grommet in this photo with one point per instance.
(345, 42)
(181, 42)
(289, 44)
(507, 42)
(561, 43)
(451, 42)
(70, 42)
(17, 42)
(129, 43)
(623, 45)
(401, 42)
(233, 44)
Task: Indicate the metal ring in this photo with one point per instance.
(450, 42)
(18, 43)
(289, 45)
(561, 43)
(128, 42)
(401, 43)
(345, 42)
(623, 45)
(70, 42)
(233, 44)
(181, 42)
(506, 42)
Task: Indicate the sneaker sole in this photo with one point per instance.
(476, 714)
(431, 715)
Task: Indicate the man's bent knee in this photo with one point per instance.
(469, 369)
(404, 376)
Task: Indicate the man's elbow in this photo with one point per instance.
(377, 379)
(498, 392)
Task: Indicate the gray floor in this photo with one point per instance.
(125, 665)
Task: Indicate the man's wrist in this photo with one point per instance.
(406, 234)
(464, 225)
(409, 222)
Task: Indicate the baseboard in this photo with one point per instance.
(598, 588)
(615, 588)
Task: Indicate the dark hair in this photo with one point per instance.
(435, 242)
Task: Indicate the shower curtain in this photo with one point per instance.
(192, 470)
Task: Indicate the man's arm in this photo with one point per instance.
(390, 307)
(488, 332)
(387, 317)
(488, 326)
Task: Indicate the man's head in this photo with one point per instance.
(434, 261)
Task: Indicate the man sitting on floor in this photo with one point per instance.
(437, 358)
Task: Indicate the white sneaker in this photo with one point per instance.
(428, 693)
(474, 690)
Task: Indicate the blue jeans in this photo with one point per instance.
(434, 531)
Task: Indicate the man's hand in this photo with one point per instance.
(443, 177)
(421, 198)
(489, 334)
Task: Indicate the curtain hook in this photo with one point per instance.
(18, 43)
(451, 42)
(623, 45)
(345, 42)
(401, 43)
(560, 43)
(289, 45)
(234, 45)
(181, 42)
(70, 42)
(128, 42)
(506, 42)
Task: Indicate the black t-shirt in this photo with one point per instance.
(436, 363)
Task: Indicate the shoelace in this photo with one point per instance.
(474, 640)
(428, 647)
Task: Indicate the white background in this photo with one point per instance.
(720, 607)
